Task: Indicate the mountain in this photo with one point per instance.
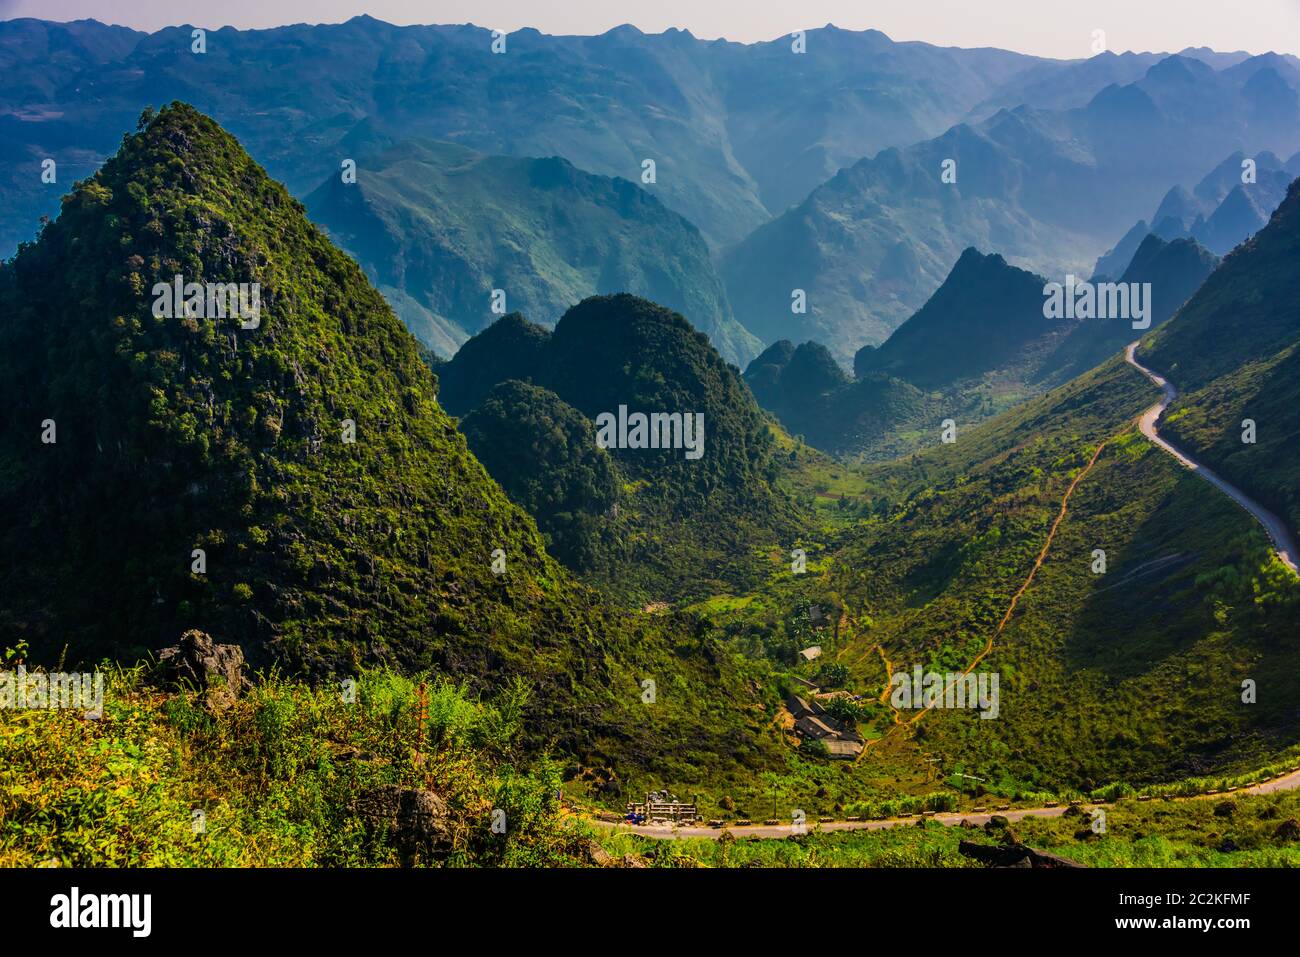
(1049, 189)
(1063, 85)
(738, 132)
(1233, 355)
(1174, 270)
(510, 348)
(980, 344)
(1115, 260)
(690, 514)
(438, 227)
(543, 451)
(1221, 212)
(205, 435)
(832, 413)
(985, 312)
(197, 473)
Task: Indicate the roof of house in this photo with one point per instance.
(811, 652)
(801, 706)
(815, 727)
(843, 747)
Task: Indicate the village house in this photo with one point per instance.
(813, 722)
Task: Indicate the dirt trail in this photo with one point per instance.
(1006, 618)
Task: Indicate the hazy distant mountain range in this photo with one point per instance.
(1220, 212)
(438, 227)
(980, 344)
(738, 132)
(1048, 189)
(817, 171)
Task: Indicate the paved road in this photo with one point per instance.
(1286, 782)
(1277, 529)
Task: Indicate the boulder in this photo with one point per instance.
(597, 855)
(1013, 855)
(996, 823)
(199, 663)
(1288, 830)
(416, 822)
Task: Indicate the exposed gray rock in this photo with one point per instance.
(199, 663)
(416, 822)
(1013, 855)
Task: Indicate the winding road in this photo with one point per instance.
(1283, 541)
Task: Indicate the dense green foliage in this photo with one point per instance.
(1132, 673)
(185, 433)
(510, 348)
(686, 527)
(541, 449)
(322, 555)
(276, 777)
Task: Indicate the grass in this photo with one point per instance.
(159, 781)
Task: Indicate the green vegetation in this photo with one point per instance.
(204, 477)
(322, 556)
(277, 777)
(1129, 678)
(684, 528)
(542, 450)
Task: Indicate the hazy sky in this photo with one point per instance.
(1061, 28)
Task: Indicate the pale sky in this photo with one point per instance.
(1058, 28)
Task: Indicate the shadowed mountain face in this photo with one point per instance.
(981, 342)
(438, 227)
(1047, 189)
(682, 522)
